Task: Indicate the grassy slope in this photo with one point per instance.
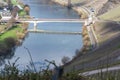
(10, 33)
(113, 14)
(108, 36)
(109, 39)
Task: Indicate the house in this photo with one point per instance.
(5, 15)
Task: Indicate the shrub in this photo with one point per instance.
(65, 59)
(73, 76)
(10, 42)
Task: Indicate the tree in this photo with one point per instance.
(14, 2)
(10, 42)
(27, 9)
(15, 11)
(22, 13)
(0, 17)
(65, 60)
(9, 4)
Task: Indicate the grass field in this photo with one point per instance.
(10, 33)
(113, 14)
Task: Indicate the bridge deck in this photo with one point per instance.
(54, 32)
(50, 20)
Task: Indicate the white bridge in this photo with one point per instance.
(36, 21)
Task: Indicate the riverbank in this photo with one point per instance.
(83, 15)
(11, 33)
(81, 11)
(107, 33)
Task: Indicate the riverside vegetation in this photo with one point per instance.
(11, 33)
(11, 72)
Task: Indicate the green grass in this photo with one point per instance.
(10, 33)
(111, 15)
(21, 13)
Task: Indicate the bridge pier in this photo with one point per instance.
(35, 26)
(69, 4)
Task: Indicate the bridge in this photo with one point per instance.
(35, 21)
(54, 32)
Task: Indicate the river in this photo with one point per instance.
(49, 46)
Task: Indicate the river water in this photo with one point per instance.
(49, 46)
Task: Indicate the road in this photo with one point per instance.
(91, 32)
(92, 37)
(88, 73)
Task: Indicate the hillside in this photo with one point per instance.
(113, 14)
(107, 30)
(108, 34)
(106, 9)
(109, 5)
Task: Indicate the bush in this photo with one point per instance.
(10, 42)
(73, 76)
(65, 59)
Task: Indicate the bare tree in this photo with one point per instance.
(65, 60)
(15, 11)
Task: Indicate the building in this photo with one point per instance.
(5, 15)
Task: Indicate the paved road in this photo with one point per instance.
(91, 33)
(100, 70)
(92, 37)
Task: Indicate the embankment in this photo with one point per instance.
(81, 11)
